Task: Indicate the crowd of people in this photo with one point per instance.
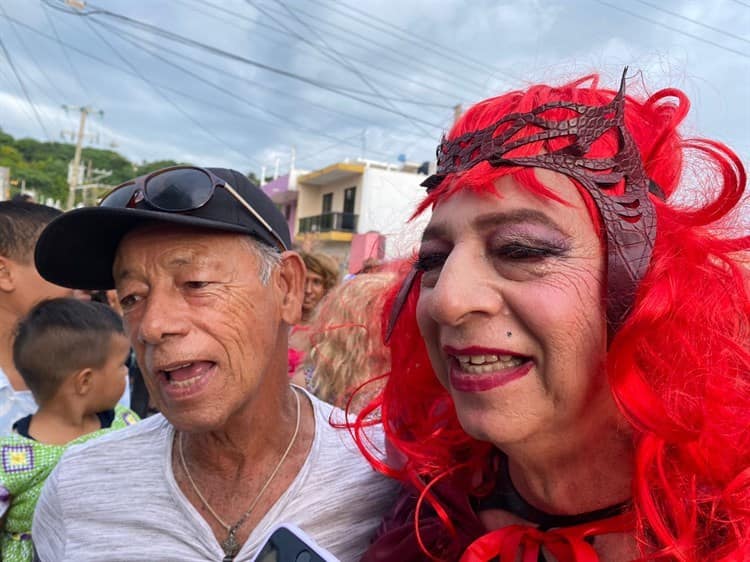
(560, 373)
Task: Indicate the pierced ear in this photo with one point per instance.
(291, 281)
(7, 283)
(83, 381)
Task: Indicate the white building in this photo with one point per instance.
(338, 205)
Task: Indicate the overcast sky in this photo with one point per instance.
(244, 83)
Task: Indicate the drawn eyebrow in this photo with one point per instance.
(489, 220)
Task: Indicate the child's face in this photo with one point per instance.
(109, 380)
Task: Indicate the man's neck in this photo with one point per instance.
(257, 434)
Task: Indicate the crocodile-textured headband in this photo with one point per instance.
(629, 218)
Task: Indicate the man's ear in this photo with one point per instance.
(290, 278)
(7, 278)
(83, 381)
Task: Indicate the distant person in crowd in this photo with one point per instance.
(322, 274)
(346, 342)
(209, 289)
(371, 265)
(21, 288)
(71, 354)
(136, 394)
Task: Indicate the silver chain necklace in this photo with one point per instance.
(229, 545)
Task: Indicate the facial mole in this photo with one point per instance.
(509, 334)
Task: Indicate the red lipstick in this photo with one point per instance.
(480, 382)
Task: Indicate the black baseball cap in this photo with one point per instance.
(77, 249)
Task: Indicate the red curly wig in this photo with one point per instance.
(679, 366)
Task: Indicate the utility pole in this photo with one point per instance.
(73, 180)
(457, 112)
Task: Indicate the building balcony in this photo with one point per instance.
(329, 222)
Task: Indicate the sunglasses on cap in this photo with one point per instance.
(177, 190)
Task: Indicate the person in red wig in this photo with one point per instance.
(571, 351)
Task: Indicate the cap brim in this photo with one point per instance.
(77, 249)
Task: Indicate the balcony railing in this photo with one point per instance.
(327, 222)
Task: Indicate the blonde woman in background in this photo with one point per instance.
(347, 344)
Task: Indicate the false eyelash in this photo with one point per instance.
(524, 252)
(429, 262)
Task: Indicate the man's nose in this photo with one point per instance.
(163, 315)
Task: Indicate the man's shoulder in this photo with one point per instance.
(139, 441)
(338, 454)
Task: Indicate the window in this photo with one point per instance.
(349, 196)
(327, 202)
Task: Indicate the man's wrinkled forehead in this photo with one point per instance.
(169, 247)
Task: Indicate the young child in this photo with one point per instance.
(71, 354)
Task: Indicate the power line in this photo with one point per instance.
(162, 86)
(28, 52)
(73, 71)
(337, 57)
(329, 147)
(424, 66)
(42, 89)
(235, 57)
(390, 72)
(406, 35)
(140, 41)
(226, 91)
(671, 28)
(694, 22)
(165, 97)
(16, 101)
(109, 65)
(25, 91)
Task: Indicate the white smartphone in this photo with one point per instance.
(289, 543)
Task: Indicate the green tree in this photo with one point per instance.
(148, 167)
(10, 157)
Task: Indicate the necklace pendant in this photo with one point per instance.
(230, 546)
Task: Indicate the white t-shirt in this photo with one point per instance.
(14, 404)
(86, 514)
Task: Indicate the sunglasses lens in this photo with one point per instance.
(184, 189)
(119, 196)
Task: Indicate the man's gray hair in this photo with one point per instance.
(268, 258)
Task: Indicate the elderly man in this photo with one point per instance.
(201, 263)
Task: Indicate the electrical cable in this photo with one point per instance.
(337, 57)
(17, 101)
(48, 90)
(220, 88)
(232, 56)
(442, 74)
(671, 28)
(391, 72)
(694, 22)
(73, 70)
(276, 91)
(407, 35)
(167, 99)
(108, 64)
(25, 91)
